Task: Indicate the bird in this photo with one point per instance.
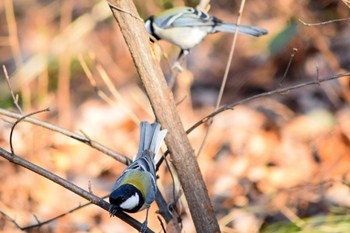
(186, 27)
(136, 187)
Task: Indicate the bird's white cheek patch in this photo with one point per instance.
(131, 202)
(148, 26)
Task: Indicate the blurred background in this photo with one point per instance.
(275, 164)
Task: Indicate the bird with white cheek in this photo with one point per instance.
(186, 27)
(136, 187)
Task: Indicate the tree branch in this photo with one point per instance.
(70, 186)
(164, 107)
(265, 94)
(41, 223)
(164, 210)
(84, 139)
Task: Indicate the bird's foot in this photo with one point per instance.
(177, 66)
(144, 227)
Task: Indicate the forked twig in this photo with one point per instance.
(18, 121)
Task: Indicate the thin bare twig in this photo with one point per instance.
(15, 46)
(172, 178)
(13, 158)
(106, 79)
(295, 50)
(225, 77)
(18, 121)
(41, 223)
(94, 144)
(117, 96)
(324, 22)
(92, 81)
(161, 223)
(14, 97)
(160, 200)
(205, 119)
(229, 61)
(12, 220)
(265, 94)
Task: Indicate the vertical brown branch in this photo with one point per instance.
(164, 107)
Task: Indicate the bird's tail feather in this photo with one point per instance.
(151, 138)
(243, 29)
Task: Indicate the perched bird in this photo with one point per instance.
(186, 27)
(136, 188)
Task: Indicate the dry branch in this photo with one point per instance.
(265, 94)
(82, 138)
(164, 107)
(68, 185)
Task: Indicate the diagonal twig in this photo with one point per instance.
(265, 94)
(14, 97)
(41, 223)
(280, 90)
(324, 22)
(94, 144)
(13, 158)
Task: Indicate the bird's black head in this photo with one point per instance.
(149, 24)
(127, 198)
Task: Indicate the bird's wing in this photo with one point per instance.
(142, 164)
(185, 17)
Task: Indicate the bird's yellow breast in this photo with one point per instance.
(140, 179)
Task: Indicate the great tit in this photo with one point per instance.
(186, 27)
(136, 187)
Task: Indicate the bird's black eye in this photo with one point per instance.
(120, 200)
